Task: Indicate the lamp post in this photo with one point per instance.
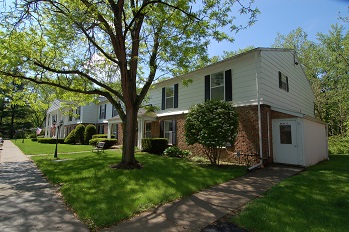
(57, 128)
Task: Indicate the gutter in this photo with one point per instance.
(259, 121)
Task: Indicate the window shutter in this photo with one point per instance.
(228, 86)
(287, 89)
(175, 102)
(280, 81)
(163, 98)
(162, 129)
(174, 132)
(105, 111)
(207, 87)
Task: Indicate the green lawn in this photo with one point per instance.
(315, 200)
(35, 148)
(102, 196)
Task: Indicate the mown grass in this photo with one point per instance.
(34, 148)
(102, 196)
(315, 200)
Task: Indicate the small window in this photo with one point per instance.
(283, 82)
(102, 111)
(285, 134)
(169, 97)
(114, 111)
(114, 131)
(78, 112)
(217, 86)
(70, 115)
(147, 133)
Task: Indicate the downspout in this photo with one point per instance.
(259, 121)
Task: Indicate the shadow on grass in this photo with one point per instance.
(103, 196)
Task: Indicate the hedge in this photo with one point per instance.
(97, 136)
(90, 130)
(154, 145)
(108, 142)
(50, 140)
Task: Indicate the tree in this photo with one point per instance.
(67, 43)
(212, 124)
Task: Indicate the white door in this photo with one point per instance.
(285, 141)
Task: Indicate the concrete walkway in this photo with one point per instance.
(27, 201)
(203, 208)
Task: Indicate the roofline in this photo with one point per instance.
(228, 59)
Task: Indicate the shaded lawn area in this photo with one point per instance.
(34, 148)
(315, 200)
(102, 196)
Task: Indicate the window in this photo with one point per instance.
(114, 111)
(70, 115)
(168, 130)
(114, 131)
(218, 86)
(283, 82)
(169, 97)
(285, 134)
(147, 130)
(78, 112)
(102, 111)
(100, 129)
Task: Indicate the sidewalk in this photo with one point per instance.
(203, 208)
(27, 201)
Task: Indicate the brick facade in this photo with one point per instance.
(247, 140)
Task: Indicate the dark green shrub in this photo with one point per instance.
(154, 145)
(173, 152)
(34, 139)
(90, 130)
(186, 153)
(96, 136)
(108, 142)
(71, 138)
(50, 140)
(79, 133)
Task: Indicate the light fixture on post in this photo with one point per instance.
(57, 132)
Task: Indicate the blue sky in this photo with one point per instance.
(284, 16)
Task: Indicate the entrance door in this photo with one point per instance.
(285, 141)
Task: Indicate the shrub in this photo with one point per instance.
(90, 130)
(338, 145)
(50, 140)
(96, 136)
(108, 142)
(79, 133)
(34, 139)
(176, 152)
(154, 145)
(71, 138)
(212, 124)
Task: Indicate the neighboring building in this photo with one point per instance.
(272, 96)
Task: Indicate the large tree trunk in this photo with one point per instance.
(129, 141)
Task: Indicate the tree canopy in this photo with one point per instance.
(113, 48)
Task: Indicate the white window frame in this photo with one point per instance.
(147, 130)
(168, 131)
(169, 99)
(218, 86)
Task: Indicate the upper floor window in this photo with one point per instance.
(102, 111)
(218, 86)
(283, 82)
(114, 111)
(169, 97)
(78, 112)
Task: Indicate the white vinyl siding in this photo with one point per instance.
(300, 97)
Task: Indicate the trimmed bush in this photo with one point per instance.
(34, 139)
(154, 145)
(71, 138)
(97, 136)
(90, 130)
(79, 133)
(176, 152)
(50, 140)
(108, 142)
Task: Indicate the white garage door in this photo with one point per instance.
(285, 141)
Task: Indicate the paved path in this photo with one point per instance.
(27, 201)
(203, 208)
